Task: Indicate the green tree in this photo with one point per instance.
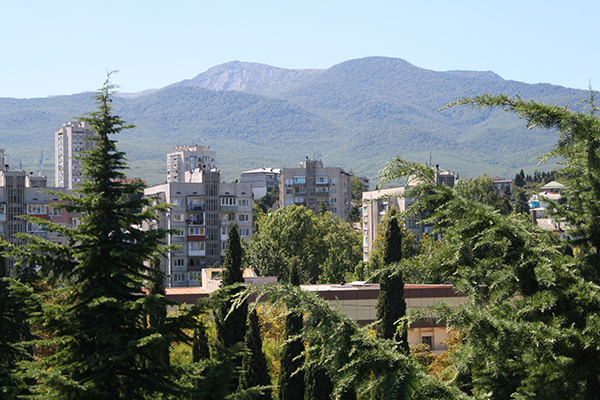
(229, 320)
(254, 365)
(357, 187)
(105, 347)
(318, 384)
(481, 189)
(291, 375)
(325, 248)
(17, 303)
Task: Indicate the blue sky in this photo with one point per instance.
(65, 47)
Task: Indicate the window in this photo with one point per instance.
(178, 262)
(333, 210)
(178, 233)
(196, 246)
(299, 200)
(36, 209)
(333, 190)
(177, 202)
(196, 231)
(2, 209)
(321, 180)
(301, 190)
(299, 179)
(428, 340)
(244, 217)
(333, 181)
(289, 191)
(289, 182)
(321, 190)
(333, 200)
(244, 232)
(178, 277)
(31, 227)
(54, 211)
(224, 230)
(243, 203)
(178, 217)
(289, 201)
(228, 201)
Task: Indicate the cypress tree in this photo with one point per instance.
(254, 363)
(231, 323)
(105, 347)
(318, 383)
(291, 376)
(391, 305)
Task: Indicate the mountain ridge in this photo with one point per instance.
(358, 115)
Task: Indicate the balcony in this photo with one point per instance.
(229, 209)
(192, 207)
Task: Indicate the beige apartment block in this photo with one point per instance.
(25, 194)
(203, 208)
(263, 180)
(189, 159)
(314, 186)
(70, 140)
(376, 204)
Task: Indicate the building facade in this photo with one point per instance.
(71, 139)
(189, 158)
(263, 180)
(316, 187)
(203, 208)
(25, 194)
(376, 204)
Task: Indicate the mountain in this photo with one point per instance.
(249, 77)
(358, 115)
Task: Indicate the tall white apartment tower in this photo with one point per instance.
(189, 158)
(70, 140)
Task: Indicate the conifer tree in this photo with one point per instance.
(391, 305)
(105, 347)
(254, 364)
(231, 323)
(291, 376)
(318, 385)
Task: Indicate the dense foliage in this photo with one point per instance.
(325, 249)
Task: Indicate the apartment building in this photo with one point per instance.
(376, 204)
(263, 180)
(314, 186)
(189, 158)
(70, 140)
(203, 208)
(25, 194)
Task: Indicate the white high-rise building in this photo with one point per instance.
(189, 159)
(70, 140)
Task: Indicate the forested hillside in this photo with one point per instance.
(357, 115)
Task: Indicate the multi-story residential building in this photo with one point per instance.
(263, 180)
(25, 194)
(189, 158)
(202, 210)
(69, 141)
(316, 187)
(376, 204)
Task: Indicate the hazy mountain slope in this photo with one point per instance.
(249, 77)
(357, 115)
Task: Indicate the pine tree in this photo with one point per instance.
(254, 364)
(105, 347)
(291, 376)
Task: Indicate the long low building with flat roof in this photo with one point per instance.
(358, 300)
